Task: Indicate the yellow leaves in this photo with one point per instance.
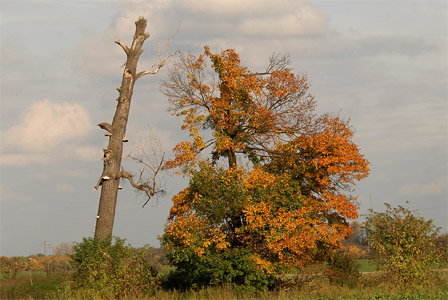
(219, 239)
(256, 215)
(294, 198)
(263, 264)
(223, 142)
(186, 228)
(258, 177)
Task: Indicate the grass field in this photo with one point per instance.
(366, 265)
(57, 286)
(35, 286)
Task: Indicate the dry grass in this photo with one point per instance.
(369, 287)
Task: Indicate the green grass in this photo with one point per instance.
(167, 269)
(366, 265)
(42, 287)
(57, 286)
(319, 288)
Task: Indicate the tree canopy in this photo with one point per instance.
(284, 194)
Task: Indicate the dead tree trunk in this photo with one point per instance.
(110, 178)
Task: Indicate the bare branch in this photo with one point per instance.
(125, 48)
(106, 126)
(162, 61)
(159, 66)
(277, 62)
(100, 181)
(144, 187)
(151, 159)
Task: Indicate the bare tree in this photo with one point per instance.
(63, 249)
(111, 175)
(150, 158)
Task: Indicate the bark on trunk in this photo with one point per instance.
(232, 159)
(111, 175)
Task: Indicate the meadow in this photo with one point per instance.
(38, 285)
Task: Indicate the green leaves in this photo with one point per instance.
(219, 268)
(110, 269)
(403, 245)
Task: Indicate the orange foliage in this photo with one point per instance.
(247, 112)
(291, 204)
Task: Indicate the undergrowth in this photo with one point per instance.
(60, 286)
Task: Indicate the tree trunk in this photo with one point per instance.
(111, 175)
(232, 159)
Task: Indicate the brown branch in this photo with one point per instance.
(106, 126)
(100, 181)
(151, 159)
(159, 66)
(161, 61)
(125, 48)
(153, 169)
(147, 189)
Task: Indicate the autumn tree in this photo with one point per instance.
(11, 266)
(270, 181)
(112, 172)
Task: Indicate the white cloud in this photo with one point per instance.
(255, 18)
(299, 20)
(7, 194)
(437, 187)
(234, 24)
(76, 173)
(89, 153)
(45, 127)
(11, 54)
(99, 56)
(65, 187)
(23, 159)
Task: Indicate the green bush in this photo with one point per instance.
(403, 246)
(232, 267)
(343, 269)
(108, 268)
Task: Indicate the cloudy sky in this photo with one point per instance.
(383, 64)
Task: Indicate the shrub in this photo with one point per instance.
(232, 267)
(403, 245)
(109, 268)
(441, 243)
(343, 269)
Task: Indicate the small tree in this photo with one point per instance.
(403, 245)
(10, 267)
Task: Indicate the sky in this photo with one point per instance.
(381, 64)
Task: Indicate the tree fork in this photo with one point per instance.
(110, 177)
